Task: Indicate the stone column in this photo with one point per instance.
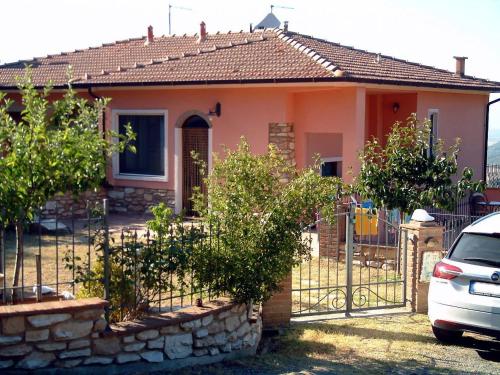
(277, 311)
(283, 136)
(424, 244)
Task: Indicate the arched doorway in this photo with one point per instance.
(194, 138)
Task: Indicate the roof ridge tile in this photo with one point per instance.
(330, 66)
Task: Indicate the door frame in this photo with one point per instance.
(178, 153)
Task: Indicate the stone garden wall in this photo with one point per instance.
(73, 337)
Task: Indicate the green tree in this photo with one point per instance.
(56, 147)
(404, 174)
(256, 207)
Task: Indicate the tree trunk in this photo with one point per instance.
(19, 257)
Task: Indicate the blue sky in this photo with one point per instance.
(429, 32)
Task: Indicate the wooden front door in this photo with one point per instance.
(194, 138)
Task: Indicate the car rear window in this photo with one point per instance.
(479, 246)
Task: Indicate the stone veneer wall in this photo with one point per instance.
(63, 205)
(283, 136)
(54, 337)
(123, 200)
(138, 200)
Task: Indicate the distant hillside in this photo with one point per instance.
(494, 154)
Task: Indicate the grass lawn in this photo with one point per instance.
(401, 344)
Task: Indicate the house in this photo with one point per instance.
(308, 95)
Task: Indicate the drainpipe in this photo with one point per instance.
(486, 129)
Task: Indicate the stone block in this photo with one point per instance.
(200, 352)
(178, 346)
(36, 360)
(213, 351)
(97, 360)
(135, 347)
(6, 364)
(51, 346)
(200, 333)
(75, 353)
(152, 356)
(9, 340)
(237, 345)
(226, 348)
(243, 330)
(207, 320)
(15, 350)
(244, 317)
(37, 335)
(193, 324)
(78, 344)
(72, 330)
(70, 363)
(129, 190)
(100, 325)
(158, 343)
(45, 320)
(216, 327)
(128, 339)
(107, 346)
(224, 315)
(148, 334)
(88, 314)
(232, 323)
(169, 330)
(220, 338)
(13, 325)
(127, 357)
(114, 194)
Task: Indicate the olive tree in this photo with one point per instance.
(56, 147)
(256, 207)
(412, 170)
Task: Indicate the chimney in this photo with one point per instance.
(285, 26)
(203, 32)
(150, 36)
(460, 66)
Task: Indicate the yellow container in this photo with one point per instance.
(366, 222)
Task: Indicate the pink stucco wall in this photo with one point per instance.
(462, 116)
(244, 113)
(345, 115)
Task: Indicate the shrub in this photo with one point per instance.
(257, 206)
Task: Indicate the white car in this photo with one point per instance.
(464, 292)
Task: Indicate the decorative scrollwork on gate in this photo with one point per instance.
(337, 303)
(363, 296)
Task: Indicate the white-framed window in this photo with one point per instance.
(150, 161)
(433, 116)
(331, 167)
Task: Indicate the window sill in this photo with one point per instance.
(140, 177)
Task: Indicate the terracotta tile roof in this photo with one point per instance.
(261, 56)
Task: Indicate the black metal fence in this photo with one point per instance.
(493, 175)
(136, 269)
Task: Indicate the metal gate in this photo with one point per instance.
(358, 262)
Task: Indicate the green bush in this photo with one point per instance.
(257, 207)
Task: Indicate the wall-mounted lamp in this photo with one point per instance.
(395, 107)
(216, 111)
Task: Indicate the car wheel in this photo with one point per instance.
(446, 336)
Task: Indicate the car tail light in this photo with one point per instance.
(446, 271)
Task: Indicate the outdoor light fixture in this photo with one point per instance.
(216, 111)
(395, 107)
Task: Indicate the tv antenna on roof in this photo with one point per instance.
(170, 7)
(280, 7)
